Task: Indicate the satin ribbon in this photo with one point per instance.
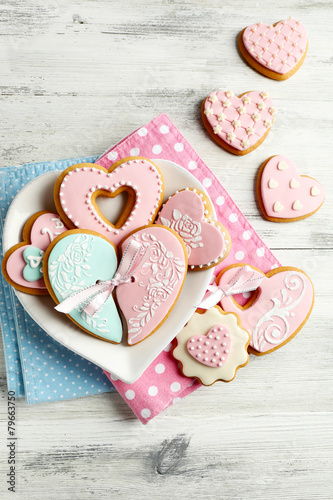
(95, 296)
(245, 280)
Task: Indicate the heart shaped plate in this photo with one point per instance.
(125, 363)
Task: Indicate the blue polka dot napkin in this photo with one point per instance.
(37, 366)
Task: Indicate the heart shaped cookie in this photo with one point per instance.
(276, 311)
(238, 123)
(189, 213)
(78, 187)
(149, 298)
(284, 195)
(276, 51)
(212, 346)
(22, 265)
(74, 261)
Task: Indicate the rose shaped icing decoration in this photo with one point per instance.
(78, 187)
(278, 50)
(212, 346)
(74, 261)
(238, 123)
(148, 299)
(22, 265)
(284, 195)
(189, 213)
(277, 310)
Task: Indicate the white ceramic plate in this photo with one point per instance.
(125, 363)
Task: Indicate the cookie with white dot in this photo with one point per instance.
(276, 51)
(212, 346)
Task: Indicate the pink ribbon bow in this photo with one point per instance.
(95, 296)
(246, 279)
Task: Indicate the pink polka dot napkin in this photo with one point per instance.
(162, 383)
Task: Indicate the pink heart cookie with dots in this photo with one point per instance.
(212, 349)
(148, 299)
(189, 213)
(238, 123)
(78, 187)
(22, 265)
(284, 195)
(276, 51)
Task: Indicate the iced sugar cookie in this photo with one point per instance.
(147, 300)
(283, 194)
(277, 310)
(78, 187)
(238, 123)
(277, 51)
(75, 261)
(22, 265)
(212, 346)
(189, 212)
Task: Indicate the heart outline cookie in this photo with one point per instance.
(38, 232)
(263, 63)
(77, 188)
(272, 305)
(190, 213)
(297, 192)
(238, 123)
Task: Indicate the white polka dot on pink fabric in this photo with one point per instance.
(233, 217)
(274, 266)
(113, 155)
(178, 147)
(239, 255)
(220, 200)
(164, 129)
(159, 368)
(145, 413)
(175, 386)
(142, 132)
(192, 165)
(260, 251)
(247, 235)
(176, 400)
(157, 149)
(135, 151)
(152, 391)
(130, 394)
(112, 377)
(168, 347)
(207, 182)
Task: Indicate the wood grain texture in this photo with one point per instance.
(77, 76)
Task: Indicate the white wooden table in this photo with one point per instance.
(76, 76)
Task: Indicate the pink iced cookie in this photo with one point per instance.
(151, 295)
(189, 213)
(212, 346)
(276, 51)
(238, 123)
(276, 311)
(284, 195)
(78, 187)
(22, 265)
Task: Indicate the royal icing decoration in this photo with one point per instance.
(77, 261)
(246, 122)
(278, 309)
(148, 299)
(23, 263)
(79, 186)
(212, 346)
(279, 48)
(284, 195)
(207, 241)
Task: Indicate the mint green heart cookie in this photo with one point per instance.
(80, 260)
(33, 257)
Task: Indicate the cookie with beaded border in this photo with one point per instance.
(131, 194)
(180, 353)
(224, 144)
(262, 69)
(209, 216)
